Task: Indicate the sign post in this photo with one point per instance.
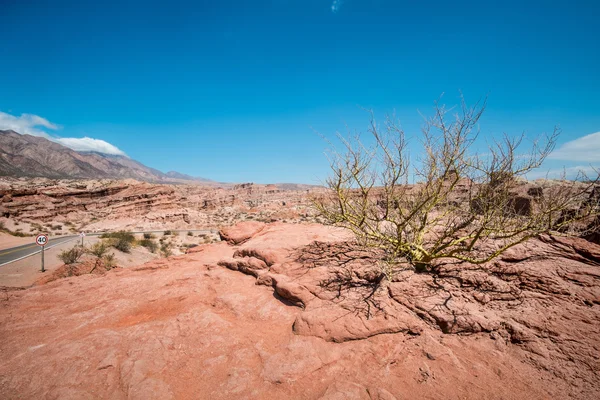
(82, 235)
(42, 240)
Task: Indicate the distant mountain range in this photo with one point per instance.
(185, 177)
(32, 156)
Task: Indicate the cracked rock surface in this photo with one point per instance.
(294, 311)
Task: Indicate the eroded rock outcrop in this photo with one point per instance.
(296, 311)
(98, 205)
(241, 232)
(532, 297)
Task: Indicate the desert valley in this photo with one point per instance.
(303, 200)
(239, 297)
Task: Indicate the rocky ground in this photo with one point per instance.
(294, 311)
(32, 205)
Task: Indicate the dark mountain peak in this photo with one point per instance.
(8, 132)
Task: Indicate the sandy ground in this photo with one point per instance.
(31, 228)
(7, 241)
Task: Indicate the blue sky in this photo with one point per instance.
(234, 91)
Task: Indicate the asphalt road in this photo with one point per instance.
(16, 253)
(13, 254)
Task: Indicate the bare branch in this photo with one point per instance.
(463, 205)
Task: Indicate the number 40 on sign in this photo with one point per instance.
(42, 240)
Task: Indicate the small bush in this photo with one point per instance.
(109, 261)
(167, 233)
(187, 246)
(190, 233)
(72, 256)
(99, 249)
(122, 240)
(148, 236)
(165, 249)
(122, 245)
(121, 235)
(57, 227)
(149, 244)
(17, 233)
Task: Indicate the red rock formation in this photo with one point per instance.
(297, 312)
(105, 204)
(241, 232)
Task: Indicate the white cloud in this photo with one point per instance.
(566, 173)
(336, 5)
(89, 144)
(29, 124)
(583, 149)
(26, 124)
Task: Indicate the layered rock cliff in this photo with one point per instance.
(95, 205)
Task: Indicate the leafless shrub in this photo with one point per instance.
(461, 205)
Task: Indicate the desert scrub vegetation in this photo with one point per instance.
(204, 238)
(459, 204)
(109, 261)
(121, 240)
(71, 256)
(186, 246)
(36, 227)
(149, 236)
(149, 244)
(166, 248)
(17, 232)
(100, 250)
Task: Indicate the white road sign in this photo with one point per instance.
(41, 240)
(82, 234)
